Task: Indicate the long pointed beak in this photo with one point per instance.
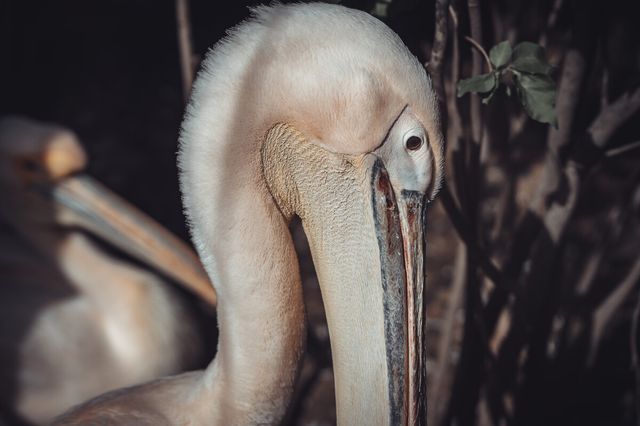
(400, 228)
(412, 217)
(85, 203)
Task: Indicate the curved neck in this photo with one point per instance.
(247, 249)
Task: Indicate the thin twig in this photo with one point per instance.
(555, 11)
(573, 70)
(185, 46)
(473, 162)
(551, 22)
(590, 271)
(635, 361)
(622, 149)
(606, 311)
(455, 55)
(624, 210)
(436, 61)
(475, 25)
(443, 368)
(604, 88)
(481, 50)
(613, 116)
(479, 253)
(454, 129)
(454, 16)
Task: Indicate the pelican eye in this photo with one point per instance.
(413, 143)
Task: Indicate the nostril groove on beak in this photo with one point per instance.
(389, 203)
(384, 186)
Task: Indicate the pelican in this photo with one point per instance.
(75, 321)
(318, 111)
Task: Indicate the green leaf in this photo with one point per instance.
(478, 83)
(500, 54)
(537, 94)
(529, 57)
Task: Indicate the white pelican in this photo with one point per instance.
(318, 111)
(75, 321)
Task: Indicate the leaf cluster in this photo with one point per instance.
(524, 67)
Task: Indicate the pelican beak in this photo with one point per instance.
(84, 203)
(400, 221)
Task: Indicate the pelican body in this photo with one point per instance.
(76, 320)
(318, 111)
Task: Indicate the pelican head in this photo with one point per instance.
(43, 190)
(318, 111)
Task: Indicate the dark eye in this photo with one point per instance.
(413, 143)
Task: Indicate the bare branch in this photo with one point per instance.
(606, 311)
(553, 218)
(185, 46)
(590, 271)
(613, 116)
(454, 129)
(475, 24)
(528, 229)
(551, 21)
(618, 218)
(461, 226)
(436, 61)
(443, 368)
(622, 149)
(604, 89)
(481, 50)
(635, 361)
(553, 16)
(568, 96)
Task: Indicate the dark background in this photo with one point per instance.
(109, 70)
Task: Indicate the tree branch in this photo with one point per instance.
(532, 309)
(463, 230)
(475, 24)
(551, 21)
(185, 46)
(573, 71)
(528, 229)
(480, 49)
(436, 61)
(613, 116)
(622, 149)
(454, 127)
(443, 370)
(607, 309)
(618, 218)
(635, 360)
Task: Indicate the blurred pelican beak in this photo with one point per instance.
(84, 203)
(400, 223)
